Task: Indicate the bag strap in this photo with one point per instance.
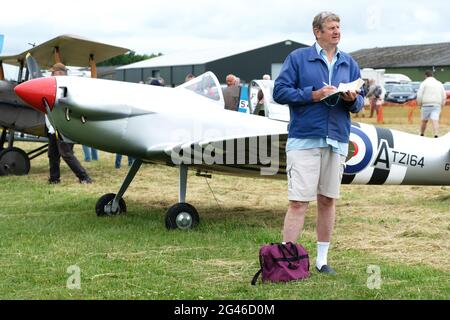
(294, 254)
(255, 277)
(282, 248)
(294, 249)
(306, 256)
(291, 258)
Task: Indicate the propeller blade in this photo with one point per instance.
(33, 67)
(40, 94)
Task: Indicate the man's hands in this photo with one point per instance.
(349, 96)
(323, 92)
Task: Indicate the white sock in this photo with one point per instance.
(322, 253)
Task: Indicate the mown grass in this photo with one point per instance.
(47, 228)
(395, 114)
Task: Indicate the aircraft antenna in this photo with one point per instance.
(217, 201)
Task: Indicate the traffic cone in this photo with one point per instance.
(380, 114)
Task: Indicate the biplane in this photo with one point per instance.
(17, 116)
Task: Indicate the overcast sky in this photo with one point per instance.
(166, 26)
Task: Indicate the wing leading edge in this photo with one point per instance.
(257, 156)
(76, 51)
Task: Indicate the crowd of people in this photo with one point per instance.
(431, 98)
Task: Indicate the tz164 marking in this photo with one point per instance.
(407, 159)
(387, 156)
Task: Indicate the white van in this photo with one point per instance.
(396, 78)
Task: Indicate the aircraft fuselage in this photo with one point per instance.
(166, 125)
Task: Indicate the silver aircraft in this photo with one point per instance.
(188, 127)
(18, 116)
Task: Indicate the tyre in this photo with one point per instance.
(14, 161)
(182, 216)
(107, 199)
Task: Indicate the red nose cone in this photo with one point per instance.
(35, 91)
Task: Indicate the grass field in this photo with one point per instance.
(46, 229)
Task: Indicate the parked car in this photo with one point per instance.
(447, 91)
(388, 87)
(415, 85)
(399, 93)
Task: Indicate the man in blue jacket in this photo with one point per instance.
(319, 129)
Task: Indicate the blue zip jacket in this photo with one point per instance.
(305, 71)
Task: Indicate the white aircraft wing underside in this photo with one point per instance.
(262, 155)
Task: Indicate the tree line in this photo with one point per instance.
(127, 58)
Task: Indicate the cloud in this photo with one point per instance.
(167, 26)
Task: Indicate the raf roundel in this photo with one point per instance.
(362, 151)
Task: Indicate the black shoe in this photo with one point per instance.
(53, 181)
(86, 181)
(326, 269)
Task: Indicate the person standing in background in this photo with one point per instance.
(431, 98)
(58, 149)
(90, 153)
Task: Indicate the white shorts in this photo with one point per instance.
(431, 112)
(314, 171)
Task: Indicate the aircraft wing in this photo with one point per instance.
(75, 52)
(257, 156)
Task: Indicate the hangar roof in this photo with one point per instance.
(195, 57)
(423, 55)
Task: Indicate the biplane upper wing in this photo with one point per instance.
(75, 52)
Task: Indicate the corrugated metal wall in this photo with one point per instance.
(248, 66)
(253, 64)
(418, 74)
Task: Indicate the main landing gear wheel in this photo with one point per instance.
(104, 204)
(14, 161)
(182, 216)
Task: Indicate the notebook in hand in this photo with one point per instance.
(344, 87)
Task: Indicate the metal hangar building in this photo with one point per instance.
(246, 63)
